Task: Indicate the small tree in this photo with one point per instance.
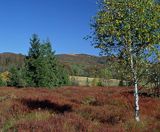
(17, 77)
(130, 30)
(62, 76)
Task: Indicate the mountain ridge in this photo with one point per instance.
(8, 59)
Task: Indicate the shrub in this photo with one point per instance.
(100, 83)
(17, 77)
(2, 82)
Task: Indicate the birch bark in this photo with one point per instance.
(136, 96)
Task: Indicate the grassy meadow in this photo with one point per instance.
(88, 81)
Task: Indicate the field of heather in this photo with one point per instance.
(76, 109)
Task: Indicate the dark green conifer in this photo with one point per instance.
(42, 68)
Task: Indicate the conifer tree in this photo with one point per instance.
(42, 67)
(31, 61)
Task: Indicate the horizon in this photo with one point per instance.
(55, 54)
(63, 22)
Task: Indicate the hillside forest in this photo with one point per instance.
(89, 66)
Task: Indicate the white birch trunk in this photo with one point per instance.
(136, 97)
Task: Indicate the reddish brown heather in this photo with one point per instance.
(76, 109)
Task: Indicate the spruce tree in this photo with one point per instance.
(31, 62)
(42, 67)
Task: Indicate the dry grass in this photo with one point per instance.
(88, 81)
(76, 109)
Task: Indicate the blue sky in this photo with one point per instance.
(64, 22)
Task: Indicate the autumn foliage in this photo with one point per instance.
(73, 109)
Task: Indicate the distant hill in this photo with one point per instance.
(8, 60)
(83, 59)
(76, 64)
(83, 64)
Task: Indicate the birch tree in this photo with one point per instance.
(129, 30)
